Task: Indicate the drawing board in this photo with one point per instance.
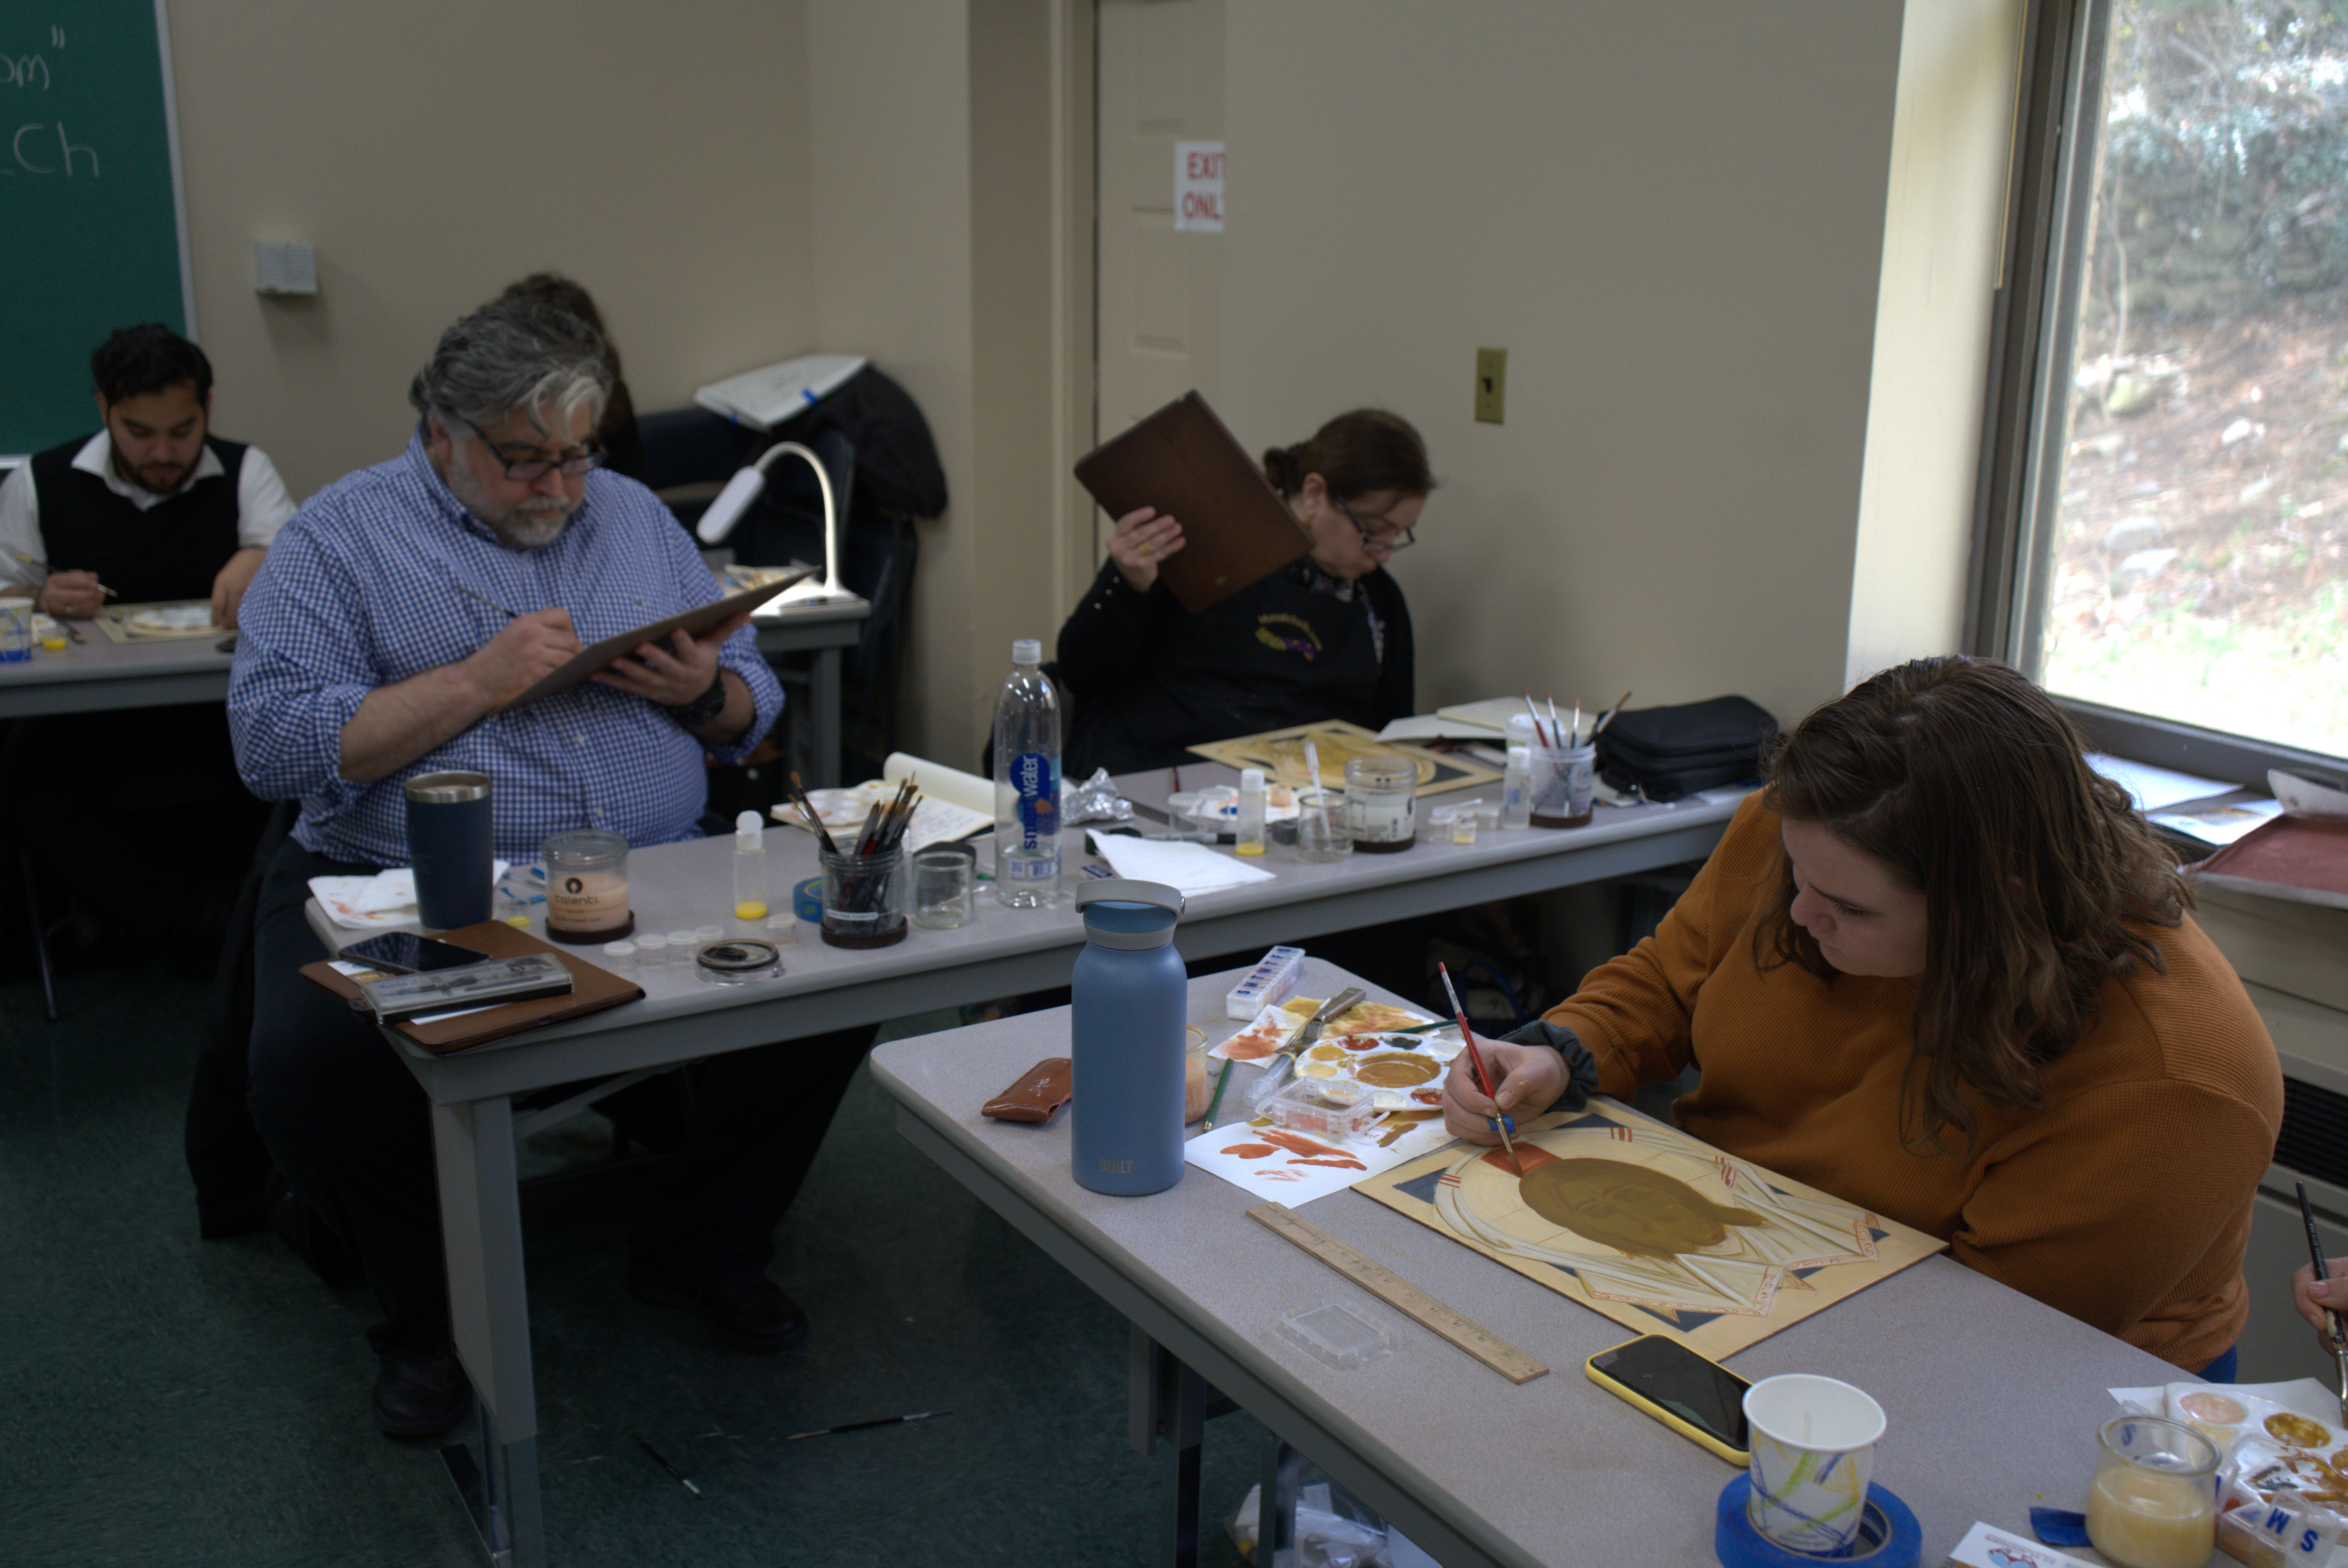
(1280, 753)
(1653, 1228)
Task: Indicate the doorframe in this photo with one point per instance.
(1076, 319)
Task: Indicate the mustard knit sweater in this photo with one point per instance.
(2124, 1201)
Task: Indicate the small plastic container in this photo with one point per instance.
(619, 957)
(1322, 1107)
(738, 962)
(704, 935)
(783, 929)
(1337, 1334)
(651, 951)
(681, 945)
(1271, 982)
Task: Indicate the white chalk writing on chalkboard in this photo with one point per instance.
(31, 142)
(22, 71)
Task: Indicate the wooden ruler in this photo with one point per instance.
(1399, 1294)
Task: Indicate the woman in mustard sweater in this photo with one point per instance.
(1940, 968)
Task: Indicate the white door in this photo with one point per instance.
(1158, 292)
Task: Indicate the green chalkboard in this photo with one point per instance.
(90, 233)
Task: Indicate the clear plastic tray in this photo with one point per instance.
(1337, 1334)
(1325, 1107)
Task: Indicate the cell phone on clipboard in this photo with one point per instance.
(1702, 1400)
(406, 953)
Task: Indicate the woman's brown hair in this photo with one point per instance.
(1971, 787)
(1357, 454)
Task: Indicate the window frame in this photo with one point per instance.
(2050, 199)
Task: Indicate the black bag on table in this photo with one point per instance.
(1664, 754)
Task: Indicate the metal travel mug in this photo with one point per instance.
(451, 844)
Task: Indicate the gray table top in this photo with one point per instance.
(1993, 1399)
(1002, 951)
(99, 673)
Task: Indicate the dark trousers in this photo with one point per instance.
(350, 1130)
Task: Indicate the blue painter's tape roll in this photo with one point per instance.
(1888, 1534)
(807, 900)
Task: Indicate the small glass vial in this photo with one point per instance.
(1248, 829)
(652, 951)
(749, 868)
(1517, 789)
(1382, 801)
(1463, 825)
(619, 957)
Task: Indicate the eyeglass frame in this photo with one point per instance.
(585, 463)
(1400, 539)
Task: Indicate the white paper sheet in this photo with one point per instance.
(1195, 868)
(2219, 823)
(1238, 1153)
(2154, 788)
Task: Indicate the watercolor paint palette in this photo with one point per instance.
(1274, 1025)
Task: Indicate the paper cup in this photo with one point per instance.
(1813, 1452)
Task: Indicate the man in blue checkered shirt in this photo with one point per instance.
(400, 606)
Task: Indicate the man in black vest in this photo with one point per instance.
(153, 507)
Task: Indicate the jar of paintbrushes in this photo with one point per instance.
(864, 877)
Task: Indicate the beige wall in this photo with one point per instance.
(1941, 232)
(435, 150)
(1671, 215)
(1680, 219)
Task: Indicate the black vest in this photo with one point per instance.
(173, 549)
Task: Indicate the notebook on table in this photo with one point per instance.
(1182, 460)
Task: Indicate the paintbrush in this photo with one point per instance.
(1607, 717)
(1564, 736)
(2323, 1272)
(1283, 1060)
(807, 808)
(1534, 714)
(659, 1460)
(1476, 1060)
(494, 604)
(1313, 769)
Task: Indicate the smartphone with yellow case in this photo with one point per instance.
(1700, 1400)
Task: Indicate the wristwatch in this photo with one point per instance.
(704, 708)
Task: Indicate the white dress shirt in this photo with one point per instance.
(262, 504)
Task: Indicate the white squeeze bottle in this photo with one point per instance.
(1247, 836)
(749, 868)
(1027, 783)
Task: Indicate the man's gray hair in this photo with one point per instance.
(514, 354)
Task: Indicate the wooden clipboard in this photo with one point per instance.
(597, 989)
(697, 620)
(1182, 460)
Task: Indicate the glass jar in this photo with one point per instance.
(2155, 1499)
(586, 886)
(1382, 801)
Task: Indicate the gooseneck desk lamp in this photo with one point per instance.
(745, 488)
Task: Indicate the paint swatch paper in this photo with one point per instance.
(1296, 1168)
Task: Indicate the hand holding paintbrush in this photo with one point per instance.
(1501, 1122)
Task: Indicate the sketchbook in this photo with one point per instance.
(697, 620)
(1182, 460)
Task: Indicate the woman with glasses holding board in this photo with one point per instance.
(1327, 638)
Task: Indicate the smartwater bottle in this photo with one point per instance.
(1126, 1014)
(1027, 783)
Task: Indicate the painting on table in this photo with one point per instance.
(1653, 1228)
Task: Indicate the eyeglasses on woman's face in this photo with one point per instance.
(1384, 535)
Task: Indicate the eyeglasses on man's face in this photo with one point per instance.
(1388, 537)
(527, 469)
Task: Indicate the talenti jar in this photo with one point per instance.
(1382, 801)
(586, 886)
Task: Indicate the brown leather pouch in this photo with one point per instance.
(1043, 1090)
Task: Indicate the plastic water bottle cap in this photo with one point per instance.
(1250, 780)
(1027, 650)
(749, 833)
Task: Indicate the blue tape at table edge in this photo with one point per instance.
(807, 900)
(1888, 1535)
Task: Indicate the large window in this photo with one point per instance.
(2180, 543)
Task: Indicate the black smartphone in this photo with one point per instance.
(1700, 1400)
(406, 953)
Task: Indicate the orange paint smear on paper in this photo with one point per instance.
(1250, 1151)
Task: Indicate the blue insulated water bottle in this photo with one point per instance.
(1126, 1001)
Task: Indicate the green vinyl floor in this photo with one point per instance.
(166, 1399)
